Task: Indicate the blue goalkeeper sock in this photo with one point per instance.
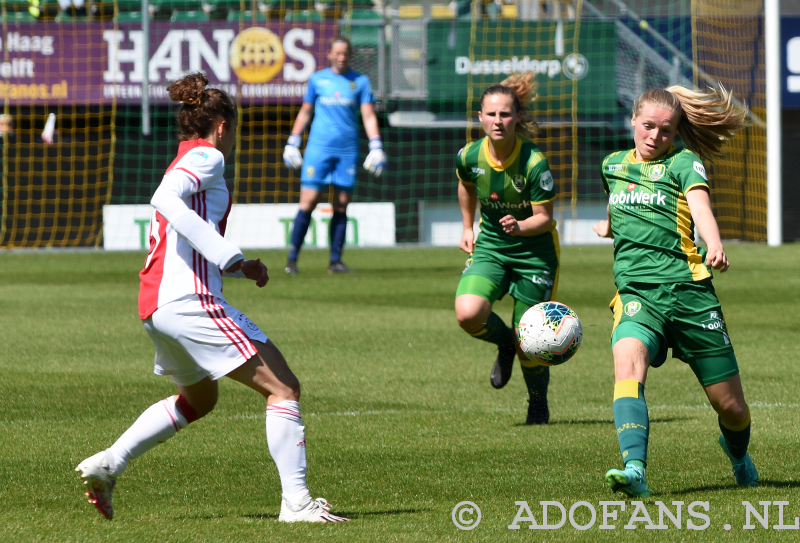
(299, 231)
(338, 228)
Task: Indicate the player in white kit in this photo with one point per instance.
(198, 336)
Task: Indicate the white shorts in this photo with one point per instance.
(196, 339)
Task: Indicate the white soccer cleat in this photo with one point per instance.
(314, 511)
(99, 484)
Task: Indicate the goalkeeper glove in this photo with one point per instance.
(376, 159)
(291, 153)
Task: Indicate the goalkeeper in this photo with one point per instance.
(334, 96)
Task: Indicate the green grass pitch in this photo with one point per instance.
(402, 423)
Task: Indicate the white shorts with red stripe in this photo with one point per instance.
(201, 336)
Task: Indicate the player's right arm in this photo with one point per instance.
(291, 153)
(467, 200)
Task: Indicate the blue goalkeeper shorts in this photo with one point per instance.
(322, 168)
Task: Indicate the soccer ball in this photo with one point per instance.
(550, 333)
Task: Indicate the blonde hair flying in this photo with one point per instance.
(708, 118)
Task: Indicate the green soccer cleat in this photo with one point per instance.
(743, 468)
(630, 481)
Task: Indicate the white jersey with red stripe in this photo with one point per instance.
(187, 228)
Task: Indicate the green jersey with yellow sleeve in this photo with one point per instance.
(650, 219)
(509, 188)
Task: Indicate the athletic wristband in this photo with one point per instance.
(375, 143)
(294, 140)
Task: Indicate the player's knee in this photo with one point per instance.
(469, 321)
(732, 412)
(197, 407)
(287, 389)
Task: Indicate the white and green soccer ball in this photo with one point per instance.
(550, 333)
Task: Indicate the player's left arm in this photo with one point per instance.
(700, 207)
(540, 222)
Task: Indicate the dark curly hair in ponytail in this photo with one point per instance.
(200, 107)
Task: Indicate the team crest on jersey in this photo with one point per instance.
(198, 157)
(657, 172)
(467, 264)
(519, 182)
(310, 171)
(353, 86)
(699, 168)
(546, 181)
(632, 308)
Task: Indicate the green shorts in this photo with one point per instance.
(686, 317)
(529, 278)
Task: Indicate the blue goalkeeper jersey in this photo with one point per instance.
(337, 100)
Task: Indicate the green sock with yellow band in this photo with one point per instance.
(737, 438)
(495, 331)
(632, 420)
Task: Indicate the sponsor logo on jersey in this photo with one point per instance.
(657, 171)
(335, 101)
(546, 181)
(494, 197)
(198, 157)
(505, 205)
(467, 264)
(518, 182)
(477, 170)
(632, 308)
(542, 281)
(640, 197)
(699, 168)
(353, 86)
(631, 186)
(310, 171)
(615, 167)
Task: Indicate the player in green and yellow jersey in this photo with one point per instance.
(665, 299)
(516, 251)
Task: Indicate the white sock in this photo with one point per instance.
(158, 423)
(286, 440)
